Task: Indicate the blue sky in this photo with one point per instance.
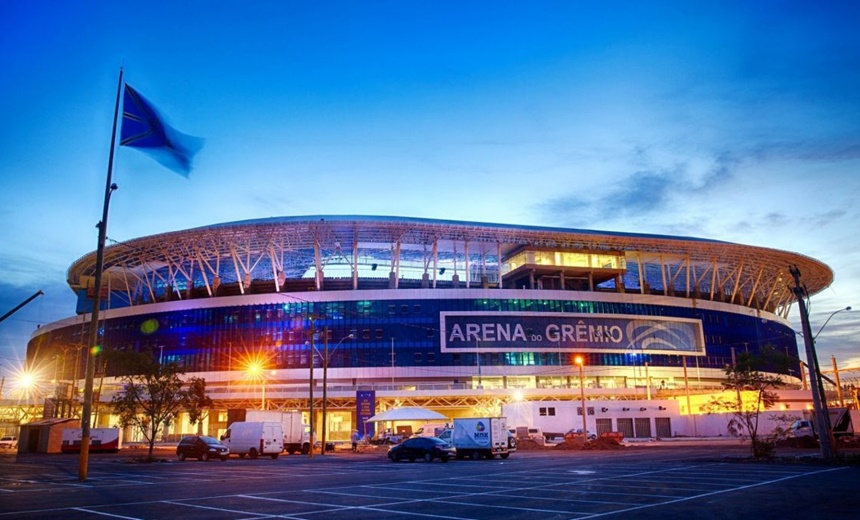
(735, 121)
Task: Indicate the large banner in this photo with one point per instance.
(561, 332)
(365, 404)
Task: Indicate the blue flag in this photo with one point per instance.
(143, 128)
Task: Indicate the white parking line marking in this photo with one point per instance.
(331, 507)
(694, 497)
(94, 512)
(210, 508)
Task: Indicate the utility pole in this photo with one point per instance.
(822, 417)
(838, 384)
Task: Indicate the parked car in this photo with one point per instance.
(589, 435)
(427, 448)
(9, 442)
(201, 447)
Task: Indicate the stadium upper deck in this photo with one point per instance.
(288, 254)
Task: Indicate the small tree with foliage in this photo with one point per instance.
(151, 396)
(747, 377)
(198, 403)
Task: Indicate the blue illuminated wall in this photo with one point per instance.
(216, 339)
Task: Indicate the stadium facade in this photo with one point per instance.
(454, 316)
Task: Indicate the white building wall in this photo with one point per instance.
(565, 418)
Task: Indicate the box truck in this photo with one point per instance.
(255, 439)
(101, 440)
(480, 437)
(296, 438)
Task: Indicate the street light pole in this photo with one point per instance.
(819, 405)
(828, 320)
(325, 386)
(311, 391)
(581, 361)
(325, 389)
(263, 394)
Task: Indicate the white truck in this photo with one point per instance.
(255, 439)
(296, 438)
(481, 437)
(842, 423)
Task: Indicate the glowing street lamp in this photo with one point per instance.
(256, 372)
(26, 384)
(27, 381)
(579, 360)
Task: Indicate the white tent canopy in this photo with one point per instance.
(407, 413)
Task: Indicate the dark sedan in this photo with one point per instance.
(201, 447)
(427, 448)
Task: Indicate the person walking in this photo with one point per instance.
(355, 438)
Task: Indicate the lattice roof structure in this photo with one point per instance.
(344, 252)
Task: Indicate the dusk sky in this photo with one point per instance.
(734, 121)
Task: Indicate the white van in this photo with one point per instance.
(255, 439)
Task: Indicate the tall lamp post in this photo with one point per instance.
(579, 360)
(325, 385)
(819, 402)
(311, 350)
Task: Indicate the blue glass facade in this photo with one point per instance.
(210, 339)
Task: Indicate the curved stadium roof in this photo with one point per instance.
(285, 248)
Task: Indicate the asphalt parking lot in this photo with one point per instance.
(649, 482)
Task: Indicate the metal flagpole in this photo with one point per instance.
(94, 350)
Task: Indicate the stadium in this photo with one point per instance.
(459, 317)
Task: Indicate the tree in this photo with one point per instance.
(152, 394)
(748, 378)
(197, 403)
